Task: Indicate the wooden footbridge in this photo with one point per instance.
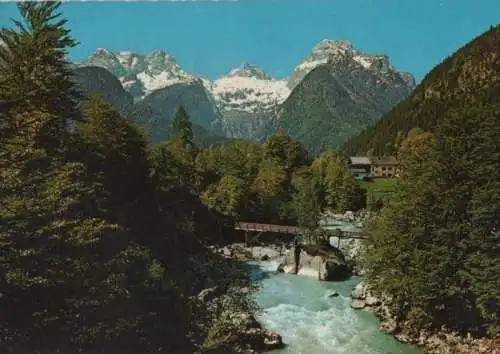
(299, 232)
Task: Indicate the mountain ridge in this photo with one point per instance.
(472, 68)
(248, 102)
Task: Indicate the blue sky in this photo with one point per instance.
(211, 37)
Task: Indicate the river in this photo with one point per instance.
(312, 322)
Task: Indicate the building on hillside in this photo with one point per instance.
(359, 166)
(384, 167)
(362, 167)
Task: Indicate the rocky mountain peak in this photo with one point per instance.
(328, 47)
(342, 55)
(248, 70)
(101, 54)
(101, 51)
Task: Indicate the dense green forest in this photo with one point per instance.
(103, 236)
(468, 77)
(435, 248)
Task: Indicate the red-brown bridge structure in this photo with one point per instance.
(248, 227)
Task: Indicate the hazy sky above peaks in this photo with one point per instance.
(210, 37)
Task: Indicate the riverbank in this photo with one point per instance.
(308, 314)
(437, 342)
(230, 309)
(315, 317)
(443, 342)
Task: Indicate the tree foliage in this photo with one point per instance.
(96, 231)
(181, 126)
(435, 247)
(34, 73)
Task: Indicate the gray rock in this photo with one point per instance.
(358, 304)
(208, 294)
(359, 291)
(322, 263)
(227, 252)
(372, 300)
(272, 341)
(259, 252)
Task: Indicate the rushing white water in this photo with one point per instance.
(312, 322)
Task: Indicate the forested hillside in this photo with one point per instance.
(470, 76)
(338, 99)
(104, 237)
(101, 242)
(435, 249)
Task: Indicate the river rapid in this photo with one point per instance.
(312, 322)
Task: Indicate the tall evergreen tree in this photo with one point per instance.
(181, 126)
(35, 75)
(64, 268)
(115, 152)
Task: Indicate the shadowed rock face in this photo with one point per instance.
(323, 263)
(99, 81)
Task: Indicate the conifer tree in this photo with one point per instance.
(64, 266)
(181, 126)
(35, 75)
(115, 153)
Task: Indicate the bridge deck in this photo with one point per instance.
(248, 226)
(294, 230)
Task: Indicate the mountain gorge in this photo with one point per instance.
(334, 93)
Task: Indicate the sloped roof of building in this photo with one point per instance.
(388, 160)
(360, 160)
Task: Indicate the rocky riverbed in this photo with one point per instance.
(442, 342)
(307, 264)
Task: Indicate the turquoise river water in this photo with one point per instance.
(311, 322)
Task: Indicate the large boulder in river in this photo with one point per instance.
(267, 252)
(322, 262)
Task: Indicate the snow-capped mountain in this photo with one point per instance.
(248, 88)
(338, 51)
(247, 98)
(337, 92)
(140, 74)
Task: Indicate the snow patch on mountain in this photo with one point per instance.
(309, 65)
(246, 97)
(248, 88)
(365, 61)
(158, 81)
(341, 52)
(140, 74)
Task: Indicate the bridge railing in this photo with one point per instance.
(267, 227)
(250, 226)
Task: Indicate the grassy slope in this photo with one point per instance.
(381, 188)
